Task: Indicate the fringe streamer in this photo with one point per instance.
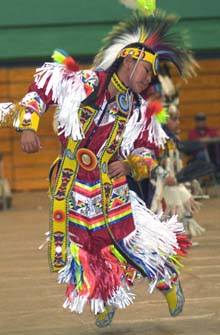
(122, 298)
(154, 241)
(134, 127)
(78, 296)
(156, 133)
(101, 279)
(68, 92)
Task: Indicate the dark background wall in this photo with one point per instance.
(30, 29)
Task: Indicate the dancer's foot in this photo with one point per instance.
(175, 298)
(104, 319)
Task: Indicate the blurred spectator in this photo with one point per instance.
(201, 132)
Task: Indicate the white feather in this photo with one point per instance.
(110, 54)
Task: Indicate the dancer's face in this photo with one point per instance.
(139, 79)
(173, 123)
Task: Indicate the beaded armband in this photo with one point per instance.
(31, 108)
(141, 163)
(28, 119)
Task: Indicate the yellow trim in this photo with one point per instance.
(135, 53)
(52, 167)
(118, 84)
(61, 205)
(29, 123)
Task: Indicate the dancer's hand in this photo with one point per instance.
(30, 142)
(118, 169)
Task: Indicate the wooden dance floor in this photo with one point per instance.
(31, 300)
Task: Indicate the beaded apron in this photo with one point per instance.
(73, 158)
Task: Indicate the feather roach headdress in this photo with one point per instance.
(153, 32)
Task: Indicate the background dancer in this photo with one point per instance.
(172, 196)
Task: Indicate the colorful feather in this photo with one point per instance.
(62, 57)
(162, 116)
(156, 108)
(155, 32)
(146, 7)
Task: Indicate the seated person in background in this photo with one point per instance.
(201, 131)
(210, 150)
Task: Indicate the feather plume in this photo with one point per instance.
(157, 33)
(62, 57)
(146, 7)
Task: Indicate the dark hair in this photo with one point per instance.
(139, 46)
(113, 68)
(200, 117)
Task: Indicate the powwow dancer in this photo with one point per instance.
(100, 232)
(171, 194)
(177, 197)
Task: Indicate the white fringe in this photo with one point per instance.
(67, 91)
(133, 129)
(156, 133)
(122, 298)
(155, 240)
(64, 275)
(77, 303)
